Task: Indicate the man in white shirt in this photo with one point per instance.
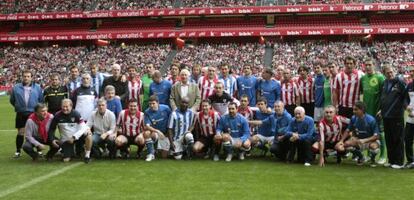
(103, 123)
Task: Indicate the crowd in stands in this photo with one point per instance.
(217, 3)
(307, 53)
(53, 5)
(133, 4)
(233, 54)
(20, 6)
(45, 60)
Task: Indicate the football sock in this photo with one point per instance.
(19, 142)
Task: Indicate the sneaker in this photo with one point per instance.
(360, 161)
(410, 166)
(349, 154)
(150, 157)
(387, 165)
(373, 164)
(17, 155)
(40, 154)
(118, 154)
(394, 166)
(248, 153)
(307, 164)
(87, 160)
(382, 161)
(216, 157)
(241, 156)
(229, 157)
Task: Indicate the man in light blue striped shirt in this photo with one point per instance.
(179, 130)
(228, 80)
(97, 78)
(74, 80)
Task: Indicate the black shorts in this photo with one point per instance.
(290, 109)
(21, 119)
(68, 149)
(330, 145)
(346, 112)
(206, 140)
(131, 140)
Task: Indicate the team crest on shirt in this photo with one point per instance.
(373, 82)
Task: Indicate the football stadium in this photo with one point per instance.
(212, 99)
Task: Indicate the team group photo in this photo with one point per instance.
(215, 99)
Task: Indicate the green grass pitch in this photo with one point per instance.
(254, 178)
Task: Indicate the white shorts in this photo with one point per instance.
(234, 141)
(318, 114)
(366, 145)
(163, 144)
(265, 140)
(179, 143)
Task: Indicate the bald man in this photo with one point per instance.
(121, 87)
(183, 89)
(300, 133)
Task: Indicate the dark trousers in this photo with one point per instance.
(346, 112)
(99, 143)
(290, 109)
(394, 138)
(304, 149)
(29, 149)
(280, 148)
(309, 108)
(409, 137)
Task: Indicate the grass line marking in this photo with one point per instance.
(37, 180)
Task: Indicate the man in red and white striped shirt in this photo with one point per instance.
(135, 88)
(206, 122)
(174, 77)
(244, 109)
(347, 85)
(290, 92)
(130, 128)
(306, 90)
(206, 83)
(330, 129)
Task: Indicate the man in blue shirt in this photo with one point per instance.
(281, 119)
(300, 132)
(264, 136)
(235, 133)
(24, 97)
(161, 88)
(247, 85)
(319, 95)
(363, 133)
(156, 122)
(278, 122)
(268, 88)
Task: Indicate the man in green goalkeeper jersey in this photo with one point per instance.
(146, 81)
(372, 83)
(327, 86)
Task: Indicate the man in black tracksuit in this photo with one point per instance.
(54, 94)
(394, 100)
(121, 87)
